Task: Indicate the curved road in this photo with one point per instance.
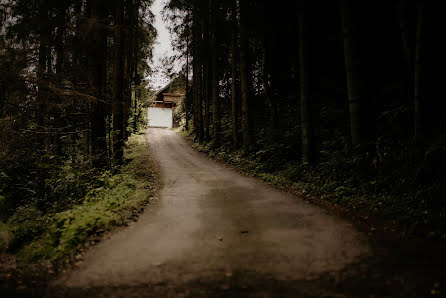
(215, 230)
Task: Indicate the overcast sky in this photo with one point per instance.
(163, 46)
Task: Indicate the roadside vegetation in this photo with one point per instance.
(111, 199)
(73, 92)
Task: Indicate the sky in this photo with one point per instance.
(163, 46)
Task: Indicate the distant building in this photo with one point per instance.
(160, 114)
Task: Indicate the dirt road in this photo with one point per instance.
(215, 231)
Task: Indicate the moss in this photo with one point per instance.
(61, 234)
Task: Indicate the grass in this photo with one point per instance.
(61, 234)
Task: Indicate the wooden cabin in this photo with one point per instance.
(160, 114)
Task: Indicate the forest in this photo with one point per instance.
(335, 102)
(72, 90)
(338, 99)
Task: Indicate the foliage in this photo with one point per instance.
(57, 63)
(111, 200)
(318, 103)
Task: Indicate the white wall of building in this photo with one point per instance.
(160, 117)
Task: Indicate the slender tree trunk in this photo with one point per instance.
(195, 68)
(76, 66)
(245, 78)
(207, 65)
(42, 79)
(60, 50)
(404, 33)
(76, 43)
(42, 92)
(215, 81)
(78, 46)
(309, 106)
(186, 98)
(418, 106)
(135, 79)
(96, 79)
(132, 15)
(353, 75)
(126, 103)
(406, 50)
(60, 65)
(207, 92)
(117, 85)
(305, 104)
(197, 73)
(267, 78)
(234, 75)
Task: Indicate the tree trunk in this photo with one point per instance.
(96, 79)
(186, 98)
(60, 53)
(353, 75)
(136, 114)
(216, 133)
(77, 47)
(206, 62)
(117, 85)
(42, 80)
(305, 103)
(245, 78)
(42, 94)
(126, 103)
(129, 45)
(404, 31)
(197, 73)
(418, 106)
(234, 75)
(61, 19)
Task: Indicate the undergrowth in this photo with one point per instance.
(110, 201)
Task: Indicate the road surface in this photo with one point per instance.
(215, 231)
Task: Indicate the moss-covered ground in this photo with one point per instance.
(53, 236)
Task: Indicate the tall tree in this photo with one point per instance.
(245, 78)
(197, 71)
(216, 117)
(186, 97)
(308, 106)
(44, 50)
(207, 67)
(126, 98)
(418, 105)
(96, 77)
(351, 57)
(118, 104)
(234, 43)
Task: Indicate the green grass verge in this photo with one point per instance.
(62, 234)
